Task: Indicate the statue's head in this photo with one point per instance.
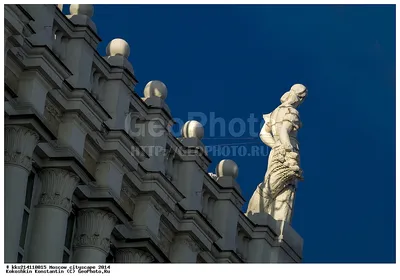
(295, 96)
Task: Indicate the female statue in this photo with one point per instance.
(275, 195)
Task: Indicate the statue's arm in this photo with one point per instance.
(290, 121)
(286, 128)
(266, 134)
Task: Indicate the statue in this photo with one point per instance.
(275, 195)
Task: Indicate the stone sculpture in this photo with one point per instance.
(275, 195)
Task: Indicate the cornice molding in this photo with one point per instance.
(43, 59)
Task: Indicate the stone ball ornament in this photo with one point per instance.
(228, 168)
(156, 88)
(81, 9)
(118, 47)
(193, 129)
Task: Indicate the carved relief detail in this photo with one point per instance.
(94, 227)
(93, 240)
(132, 255)
(18, 159)
(187, 241)
(19, 143)
(127, 200)
(52, 115)
(58, 186)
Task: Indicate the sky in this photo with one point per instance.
(238, 60)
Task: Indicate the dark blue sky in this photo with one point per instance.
(237, 60)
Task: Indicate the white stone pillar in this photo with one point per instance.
(19, 143)
(184, 250)
(51, 216)
(92, 238)
(133, 255)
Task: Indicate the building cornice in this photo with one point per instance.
(43, 60)
(24, 114)
(77, 31)
(120, 135)
(225, 255)
(27, 16)
(121, 73)
(68, 162)
(118, 143)
(194, 222)
(145, 243)
(227, 193)
(184, 153)
(90, 199)
(16, 18)
(82, 94)
(158, 183)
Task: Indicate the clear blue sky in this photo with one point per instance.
(238, 60)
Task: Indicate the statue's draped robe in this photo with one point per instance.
(275, 195)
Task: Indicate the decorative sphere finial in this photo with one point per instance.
(192, 129)
(228, 168)
(156, 88)
(118, 47)
(81, 9)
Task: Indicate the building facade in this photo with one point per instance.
(92, 171)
